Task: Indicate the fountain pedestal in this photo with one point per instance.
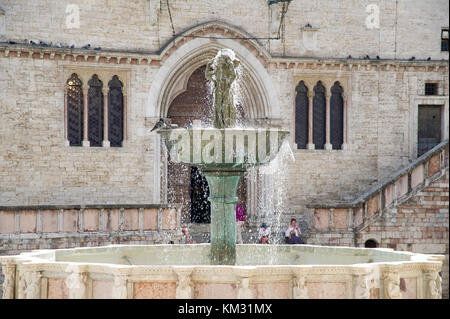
(223, 187)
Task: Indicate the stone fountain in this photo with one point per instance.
(223, 153)
(222, 269)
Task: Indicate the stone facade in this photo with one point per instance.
(382, 96)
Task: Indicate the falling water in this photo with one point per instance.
(272, 198)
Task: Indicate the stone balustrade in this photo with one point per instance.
(48, 227)
(348, 218)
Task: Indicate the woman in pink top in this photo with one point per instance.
(241, 216)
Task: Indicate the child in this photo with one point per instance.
(264, 234)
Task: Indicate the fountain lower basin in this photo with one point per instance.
(185, 271)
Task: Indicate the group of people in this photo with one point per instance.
(293, 234)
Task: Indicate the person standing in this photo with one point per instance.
(241, 217)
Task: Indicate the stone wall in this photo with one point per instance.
(53, 227)
(341, 27)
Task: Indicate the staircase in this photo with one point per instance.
(408, 211)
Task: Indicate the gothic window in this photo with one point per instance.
(74, 111)
(115, 112)
(301, 115)
(319, 116)
(95, 111)
(336, 116)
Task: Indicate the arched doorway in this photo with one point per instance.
(186, 185)
(371, 243)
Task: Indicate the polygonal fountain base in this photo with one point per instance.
(184, 272)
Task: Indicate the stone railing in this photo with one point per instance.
(355, 216)
(49, 227)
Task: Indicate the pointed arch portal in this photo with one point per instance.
(181, 59)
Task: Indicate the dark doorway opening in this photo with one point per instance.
(200, 205)
(371, 243)
(429, 128)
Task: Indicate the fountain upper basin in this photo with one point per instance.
(228, 149)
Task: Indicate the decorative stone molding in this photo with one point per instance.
(358, 280)
(185, 285)
(243, 282)
(300, 290)
(29, 284)
(244, 291)
(9, 271)
(391, 285)
(433, 283)
(120, 287)
(362, 289)
(76, 282)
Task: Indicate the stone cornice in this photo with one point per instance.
(156, 59)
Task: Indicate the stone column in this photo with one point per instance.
(9, 271)
(105, 142)
(76, 282)
(328, 146)
(85, 116)
(345, 143)
(310, 145)
(66, 119)
(120, 287)
(223, 186)
(125, 127)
